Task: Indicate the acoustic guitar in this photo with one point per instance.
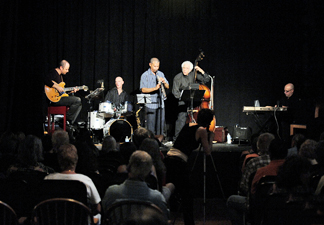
(54, 96)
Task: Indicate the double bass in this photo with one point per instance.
(208, 98)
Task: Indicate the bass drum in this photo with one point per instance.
(119, 129)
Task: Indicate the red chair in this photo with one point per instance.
(55, 110)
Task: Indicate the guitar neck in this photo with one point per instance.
(72, 88)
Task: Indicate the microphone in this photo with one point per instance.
(278, 103)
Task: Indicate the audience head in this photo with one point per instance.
(140, 165)
(59, 137)
(139, 135)
(307, 149)
(109, 144)
(263, 143)
(30, 150)
(127, 149)
(9, 143)
(67, 157)
(205, 116)
(294, 172)
(297, 140)
(277, 149)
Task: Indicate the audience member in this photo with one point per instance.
(237, 204)
(59, 138)
(252, 153)
(139, 135)
(296, 141)
(68, 158)
(151, 146)
(293, 176)
(278, 153)
(30, 155)
(127, 149)
(9, 144)
(307, 150)
(178, 169)
(110, 159)
(134, 187)
(254, 164)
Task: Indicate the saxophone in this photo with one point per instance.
(162, 88)
(138, 121)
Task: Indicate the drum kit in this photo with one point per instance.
(112, 120)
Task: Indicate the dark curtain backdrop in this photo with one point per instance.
(253, 48)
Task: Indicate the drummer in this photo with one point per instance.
(117, 96)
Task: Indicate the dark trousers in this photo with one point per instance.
(178, 173)
(155, 120)
(181, 120)
(75, 105)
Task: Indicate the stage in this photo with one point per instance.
(226, 158)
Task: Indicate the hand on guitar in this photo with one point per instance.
(58, 87)
(75, 90)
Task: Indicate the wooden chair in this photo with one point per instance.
(61, 211)
(121, 211)
(296, 126)
(7, 215)
(72, 189)
(55, 110)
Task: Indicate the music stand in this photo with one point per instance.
(192, 96)
(144, 99)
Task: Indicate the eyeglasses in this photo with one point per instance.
(287, 91)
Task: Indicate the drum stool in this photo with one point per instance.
(55, 110)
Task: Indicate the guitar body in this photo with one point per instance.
(54, 96)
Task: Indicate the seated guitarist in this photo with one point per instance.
(53, 79)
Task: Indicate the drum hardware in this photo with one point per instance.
(119, 129)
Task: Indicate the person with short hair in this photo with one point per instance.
(153, 82)
(68, 159)
(117, 95)
(135, 188)
(53, 79)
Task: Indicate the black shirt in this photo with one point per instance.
(182, 82)
(113, 96)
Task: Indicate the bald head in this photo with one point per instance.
(154, 65)
(64, 67)
(140, 164)
(289, 90)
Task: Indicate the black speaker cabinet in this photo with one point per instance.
(242, 134)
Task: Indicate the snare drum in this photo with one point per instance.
(97, 121)
(119, 129)
(106, 107)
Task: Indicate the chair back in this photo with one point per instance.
(72, 189)
(61, 211)
(122, 211)
(7, 215)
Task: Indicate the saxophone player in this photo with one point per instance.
(153, 82)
